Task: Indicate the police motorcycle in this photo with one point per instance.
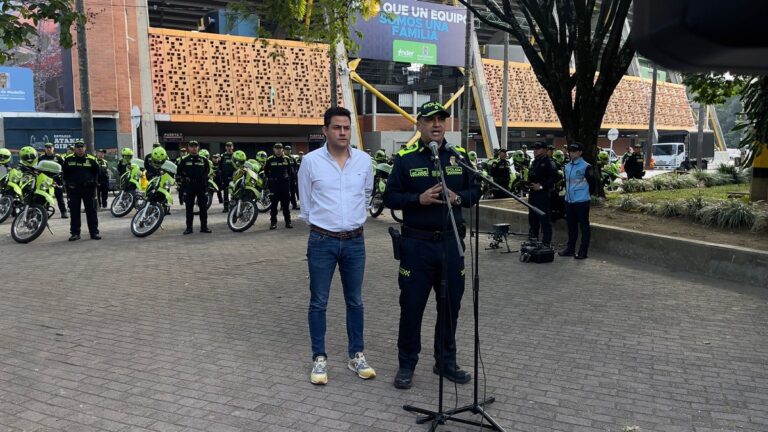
(131, 194)
(609, 172)
(265, 200)
(381, 170)
(37, 201)
(157, 195)
(10, 189)
(244, 192)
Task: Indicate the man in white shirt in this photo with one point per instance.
(335, 186)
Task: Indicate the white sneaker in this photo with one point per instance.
(359, 366)
(319, 375)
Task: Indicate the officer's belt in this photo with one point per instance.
(341, 235)
(418, 234)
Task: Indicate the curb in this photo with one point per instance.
(726, 262)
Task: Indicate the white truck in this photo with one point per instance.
(668, 155)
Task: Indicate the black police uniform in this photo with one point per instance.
(633, 166)
(80, 176)
(544, 172)
(122, 166)
(501, 175)
(294, 181)
(226, 170)
(58, 183)
(103, 182)
(193, 172)
(278, 171)
(422, 247)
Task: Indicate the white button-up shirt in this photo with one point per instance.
(335, 198)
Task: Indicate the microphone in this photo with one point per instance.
(433, 146)
(452, 149)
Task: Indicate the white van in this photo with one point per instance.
(668, 155)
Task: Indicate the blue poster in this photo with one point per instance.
(412, 31)
(16, 90)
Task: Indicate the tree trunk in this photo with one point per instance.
(759, 188)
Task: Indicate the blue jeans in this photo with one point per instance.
(323, 254)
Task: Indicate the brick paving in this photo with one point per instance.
(208, 333)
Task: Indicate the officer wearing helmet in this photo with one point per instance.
(27, 158)
(51, 155)
(5, 157)
(380, 156)
(215, 162)
(261, 158)
(499, 171)
(294, 171)
(150, 169)
(193, 171)
(226, 171)
(472, 156)
(124, 164)
(81, 173)
(103, 179)
(277, 170)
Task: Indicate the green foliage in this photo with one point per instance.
(669, 209)
(761, 221)
(629, 203)
(714, 89)
(18, 22)
(734, 214)
(633, 186)
(755, 124)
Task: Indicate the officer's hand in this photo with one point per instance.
(431, 196)
(451, 197)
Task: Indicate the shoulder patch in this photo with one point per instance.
(408, 150)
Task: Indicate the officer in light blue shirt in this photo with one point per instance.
(579, 185)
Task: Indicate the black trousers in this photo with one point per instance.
(103, 190)
(59, 192)
(540, 200)
(421, 272)
(225, 183)
(86, 196)
(221, 186)
(199, 193)
(280, 195)
(294, 192)
(577, 215)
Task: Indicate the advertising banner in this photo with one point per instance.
(412, 31)
(17, 92)
(62, 132)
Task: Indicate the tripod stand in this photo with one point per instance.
(477, 407)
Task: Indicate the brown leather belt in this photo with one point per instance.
(342, 235)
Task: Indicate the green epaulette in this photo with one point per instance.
(409, 149)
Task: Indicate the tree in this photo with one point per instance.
(19, 19)
(558, 30)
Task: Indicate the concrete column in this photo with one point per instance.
(2, 133)
(415, 108)
(362, 100)
(373, 112)
(147, 106)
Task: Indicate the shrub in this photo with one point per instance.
(596, 201)
(693, 205)
(669, 209)
(761, 221)
(628, 203)
(735, 214)
(633, 185)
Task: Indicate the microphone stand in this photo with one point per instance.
(477, 406)
(440, 417)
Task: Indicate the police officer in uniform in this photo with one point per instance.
(277, 170)
(413, 187)
(149, 168)
(193, 169)
(51, 155)
(81, 172)
(103, 179)
(216, 159)
(635, 162)
(226, 171)
(501, 174)
(542, 176)
(179, 180)
(294, 176)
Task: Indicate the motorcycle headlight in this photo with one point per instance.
(47, 184)
(168, 184)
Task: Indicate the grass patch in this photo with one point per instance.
(714, 192)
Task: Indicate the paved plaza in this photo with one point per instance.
(209, 333)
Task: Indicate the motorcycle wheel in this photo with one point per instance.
(148, 220)
(264, 202)
(209, 202)
(377, 204)
(397, 215)
(247, 217)
(6, 207)
(123, 204)
(26, 229)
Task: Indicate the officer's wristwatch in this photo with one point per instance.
(457, 200)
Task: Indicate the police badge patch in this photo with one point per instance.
(453, 162)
